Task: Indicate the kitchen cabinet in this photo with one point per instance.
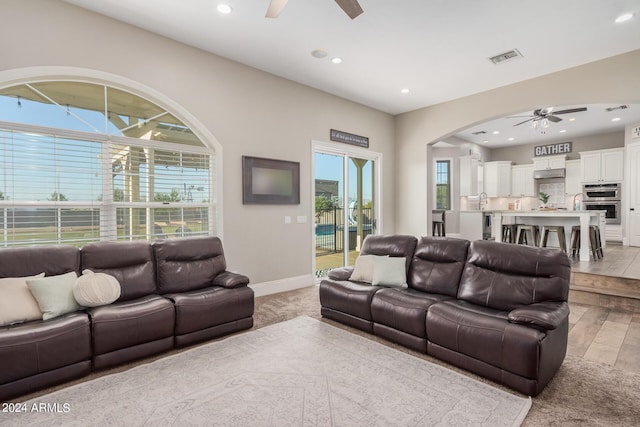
(470, 168)
(602, 165)
(573, 177)
(551, 162)
(497, 179)
(522, 184)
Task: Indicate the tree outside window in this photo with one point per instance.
(443, 184)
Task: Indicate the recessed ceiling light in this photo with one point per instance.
(336, 60)
(319, 53)
(404, 91)
(572, 119)
(615, 119)
(224, 8)
(624, 17)
(496, 132)
(511, 139)
(563, 131)
(486, 141)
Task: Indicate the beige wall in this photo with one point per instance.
(249, 112)
(613, 80)
(523, 154)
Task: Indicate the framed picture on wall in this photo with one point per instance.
(270, 181)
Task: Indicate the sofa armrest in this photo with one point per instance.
(342, 273)
(229, 280)
(546, 315)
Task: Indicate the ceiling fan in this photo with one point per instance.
(350, 7)
(548, 114)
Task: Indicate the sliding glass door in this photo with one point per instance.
(345, 199)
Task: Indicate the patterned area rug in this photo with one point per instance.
(301, 372)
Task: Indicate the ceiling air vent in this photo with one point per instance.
(506, 57)
(622, 107)
(480, 132)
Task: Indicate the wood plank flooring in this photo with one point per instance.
(604, 335)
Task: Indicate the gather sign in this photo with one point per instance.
(552, 149)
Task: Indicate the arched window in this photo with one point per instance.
(83, 162)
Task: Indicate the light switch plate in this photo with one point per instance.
(287, 219)
(635, 132)
(302, 219)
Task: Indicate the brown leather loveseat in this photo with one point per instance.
(496, 309)
(173, 293)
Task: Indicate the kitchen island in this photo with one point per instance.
(554, 217)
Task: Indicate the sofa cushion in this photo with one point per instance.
(486, 334)
(41, 347)
(437, 265)
(506, 276)
(404, 309)
(54, 294)
(131, 263)
(29, 261)
(17, 303)
(389, 271)
(188, 264)
(348, 297)
(96, 289)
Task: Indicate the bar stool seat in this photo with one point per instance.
(595, 242)
(521, 236)
(559, 230)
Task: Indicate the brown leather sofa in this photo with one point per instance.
(173, 293)
(496, 309)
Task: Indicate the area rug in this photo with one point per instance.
(302, 372)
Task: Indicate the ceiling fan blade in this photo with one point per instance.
(518, 124)
(350, 7)
(553, 119)
(571, 110)
(517, 117)
(275, 8)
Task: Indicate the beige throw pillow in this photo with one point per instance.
(17, 303)
(96, 289)
(390, 272)
(363, 270)
(55, 294)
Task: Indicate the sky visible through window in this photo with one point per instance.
(34, 154)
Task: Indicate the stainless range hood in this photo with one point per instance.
(549, 173)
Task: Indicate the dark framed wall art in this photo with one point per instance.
(270, 181)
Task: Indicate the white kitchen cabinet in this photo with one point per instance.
(522, 184)
(602, 165)
(551, 162)
(469, 183)
(573, 177)
(497, 179)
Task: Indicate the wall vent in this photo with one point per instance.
(506, 57)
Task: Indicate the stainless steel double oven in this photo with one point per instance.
(604, 197)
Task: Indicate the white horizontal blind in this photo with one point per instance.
(68, 189)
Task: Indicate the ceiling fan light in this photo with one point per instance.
(545, 123)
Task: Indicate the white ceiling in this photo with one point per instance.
(437, 49)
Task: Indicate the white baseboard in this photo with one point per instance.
(454, 235)
(282, 285)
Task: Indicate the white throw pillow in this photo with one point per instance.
(389, 271)
(55, 294)
(17, 303)
(363, 270)
(96, 289)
